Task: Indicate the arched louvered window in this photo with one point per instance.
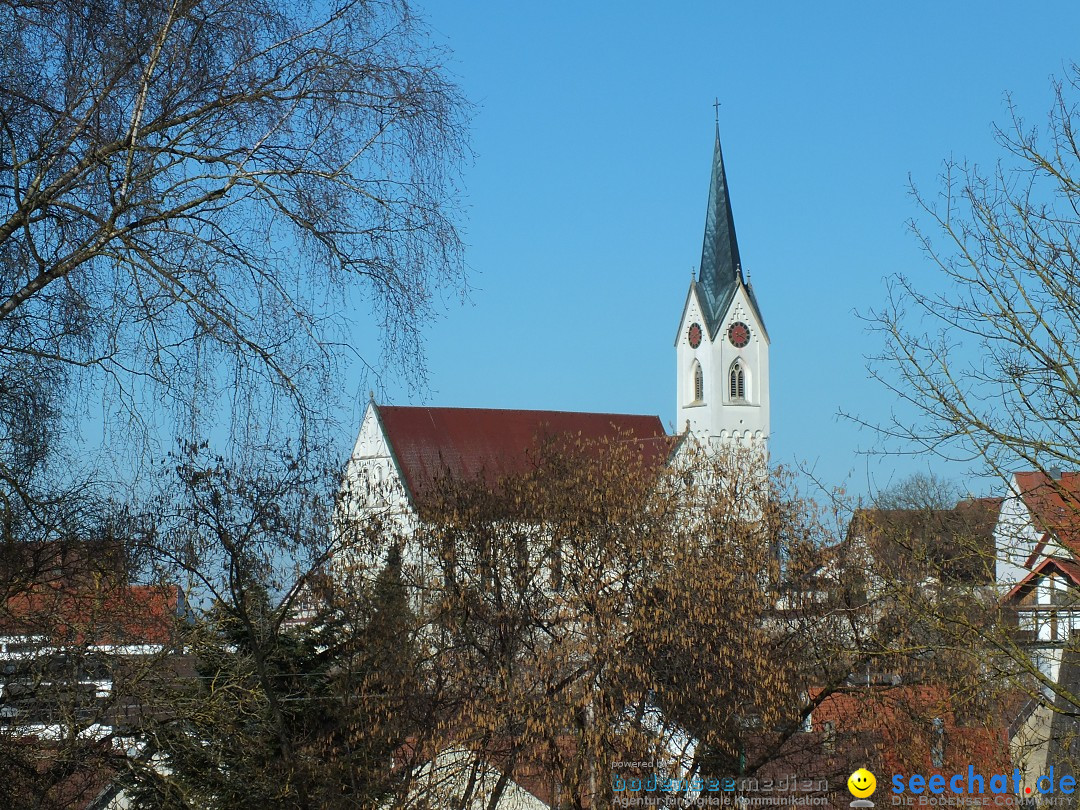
(699, 384)
(737, 382)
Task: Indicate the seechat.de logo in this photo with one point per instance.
(862, 785)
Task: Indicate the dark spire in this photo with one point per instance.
(721, 268)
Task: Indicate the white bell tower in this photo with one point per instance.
(722, 348)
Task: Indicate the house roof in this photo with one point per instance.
(1068, 569)
(960, 540)
(111, 614)
(898, 722)
(431, 444)
(1054, 504)
(71, 562)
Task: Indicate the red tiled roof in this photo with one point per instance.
(129, 614)
(482, 443)
(979, 505)
(898, 722)
(1054, 504)
(960, 540)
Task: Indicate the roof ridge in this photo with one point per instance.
(518, 410)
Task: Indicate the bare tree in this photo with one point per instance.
(988, 361)
(184, 184)
(289, 692)
(984, 355)
(604, 606)
(918, 492)
(194, 195)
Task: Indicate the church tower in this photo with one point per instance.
(722, 348)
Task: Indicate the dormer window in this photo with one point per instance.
(737, 383)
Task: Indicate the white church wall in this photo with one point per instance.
(747, 418)
(372, 491)
(718, 417)
(691, 411)
(455, 773)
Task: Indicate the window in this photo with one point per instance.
(699, 384)
(737, 382)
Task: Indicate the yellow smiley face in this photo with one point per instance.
(861, 783)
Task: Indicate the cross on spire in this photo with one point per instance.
(716, 107)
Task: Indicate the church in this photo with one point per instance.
(721, 382)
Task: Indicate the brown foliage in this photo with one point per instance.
(604, 605)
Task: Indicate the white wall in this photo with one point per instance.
(1015, 538)
(371, 490)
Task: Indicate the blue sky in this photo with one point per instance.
(586, 201)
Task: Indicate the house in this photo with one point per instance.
(1026, 545)
(1036, 548)
(892, 728)
(943, 545)
(74, 633)
(405, 456)
(1040, 518)
(1021, 551)
(880, 724)
(403, 453)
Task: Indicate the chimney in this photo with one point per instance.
(1055, 473)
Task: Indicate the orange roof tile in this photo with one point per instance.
(1054, 504)
(130, 614)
